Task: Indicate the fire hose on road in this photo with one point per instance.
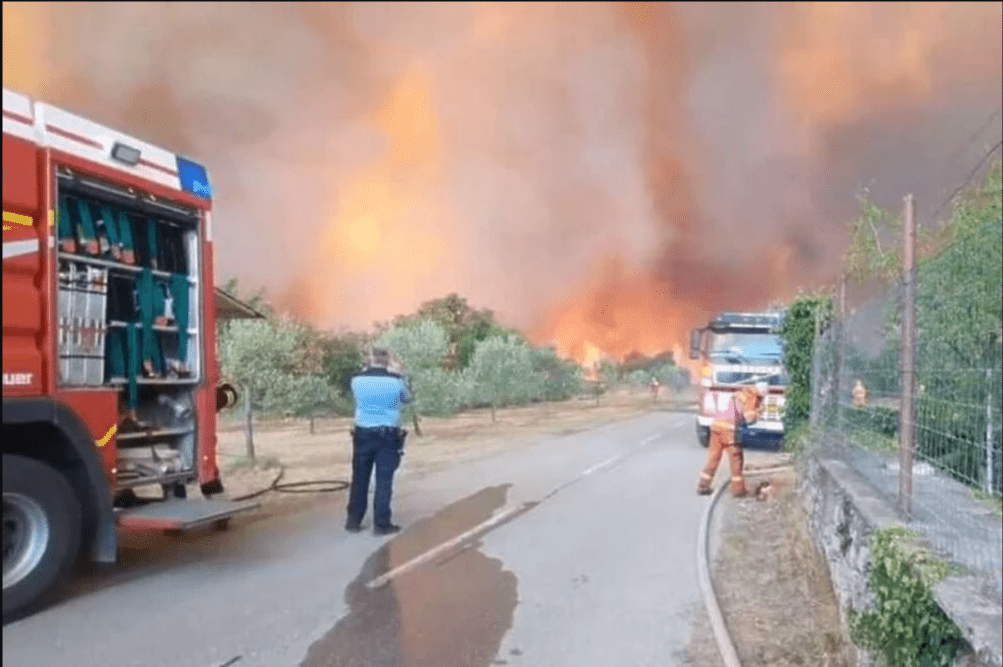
(226, 396)
(725, 644)
(308, 486)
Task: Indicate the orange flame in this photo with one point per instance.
(481, 119)
(379, 241)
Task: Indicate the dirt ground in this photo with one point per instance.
(326, 454)
(772, 585)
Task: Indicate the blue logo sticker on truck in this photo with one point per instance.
(194, 178)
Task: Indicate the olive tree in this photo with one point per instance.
(501, 370)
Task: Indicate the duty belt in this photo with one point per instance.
(394, 431)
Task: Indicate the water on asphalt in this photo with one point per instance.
(452, 612)
(585, 578)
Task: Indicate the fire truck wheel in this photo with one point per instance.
(703, 435)
(41, 533)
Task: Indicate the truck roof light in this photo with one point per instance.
(125, 154)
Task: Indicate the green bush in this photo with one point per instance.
(561, 379)
(638, 378)
(882, 421)
(797, 442)
(906, 627)
(807, 314)
(438, 393)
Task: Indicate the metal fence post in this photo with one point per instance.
(907, 412)
(838, 362)
(989, 428)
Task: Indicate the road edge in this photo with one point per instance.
(725, 645)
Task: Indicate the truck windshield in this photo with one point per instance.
(746, 346)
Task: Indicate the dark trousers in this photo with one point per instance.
(382, 448)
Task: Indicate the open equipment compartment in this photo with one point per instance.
(128, 267)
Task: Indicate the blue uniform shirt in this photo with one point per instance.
(379, 396)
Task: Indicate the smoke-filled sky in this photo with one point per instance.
(595, 173)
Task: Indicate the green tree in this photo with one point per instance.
(439, 392)
(308, 345)
(343, 356)
(422, 348)
(875, 249)
(609, 373)
(258, 356)
(420, 344)
(671, 376)
(561, 379)
(959, 300)
(959, 310)
(638, 379)
(502, 373)
(959, 323)
(463, 325)
(305, 396)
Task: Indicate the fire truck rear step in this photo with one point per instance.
(179, 515)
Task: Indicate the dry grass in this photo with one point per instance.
(773, 586)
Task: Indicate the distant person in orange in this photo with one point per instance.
(743, 408)
(859, 395)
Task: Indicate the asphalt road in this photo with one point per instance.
(585, 557)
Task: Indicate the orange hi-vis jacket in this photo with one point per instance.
(743, 407)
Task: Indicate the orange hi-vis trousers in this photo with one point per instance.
(723, 440)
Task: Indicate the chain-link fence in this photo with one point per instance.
(857, 378)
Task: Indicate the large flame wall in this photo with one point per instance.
(603, 176)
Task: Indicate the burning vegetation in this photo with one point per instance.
(603, 177)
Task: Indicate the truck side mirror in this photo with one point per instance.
(695, 343)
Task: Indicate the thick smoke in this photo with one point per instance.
(597, 173)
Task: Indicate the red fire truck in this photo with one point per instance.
(110, 380)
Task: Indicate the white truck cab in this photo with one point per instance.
(736, 350)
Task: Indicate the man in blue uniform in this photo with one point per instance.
(377, 440)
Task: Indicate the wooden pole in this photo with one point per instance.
(248, 424)
(907, 434)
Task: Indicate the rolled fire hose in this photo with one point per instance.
(226, 396)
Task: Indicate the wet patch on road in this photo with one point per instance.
(450, 612)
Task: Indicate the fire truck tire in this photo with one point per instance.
(703, 435)
(42, 522)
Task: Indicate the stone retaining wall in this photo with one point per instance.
(843, 511)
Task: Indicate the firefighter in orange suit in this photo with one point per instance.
(743, 408)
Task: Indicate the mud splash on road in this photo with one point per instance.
(451, 612)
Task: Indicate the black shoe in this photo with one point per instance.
(388, 529)
(353, 526)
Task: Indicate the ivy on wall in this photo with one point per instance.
(907, 627)
(804, 319)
